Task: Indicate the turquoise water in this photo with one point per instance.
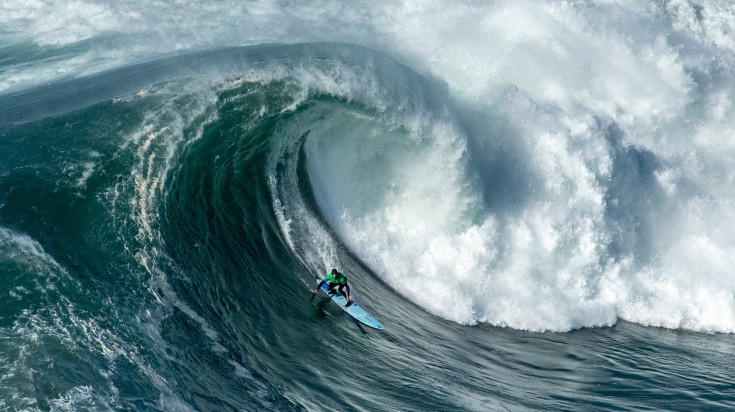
(551, 237)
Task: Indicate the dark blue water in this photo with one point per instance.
(161, 224)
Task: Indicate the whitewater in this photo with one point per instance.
(535, 197)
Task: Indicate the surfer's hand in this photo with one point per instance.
(314, 291)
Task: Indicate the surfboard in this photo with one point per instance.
(353, 310)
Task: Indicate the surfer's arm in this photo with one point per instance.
(318, 286)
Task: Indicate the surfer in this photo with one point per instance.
(335, 279)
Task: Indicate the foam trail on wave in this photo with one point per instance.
(181, 112)
(46, 324)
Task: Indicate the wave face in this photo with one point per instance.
(172, 179)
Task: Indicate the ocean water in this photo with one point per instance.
(536, 198)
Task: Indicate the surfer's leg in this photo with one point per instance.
(346, 294)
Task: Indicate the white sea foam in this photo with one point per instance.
(622, 192)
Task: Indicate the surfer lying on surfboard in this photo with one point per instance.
(335, 279)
